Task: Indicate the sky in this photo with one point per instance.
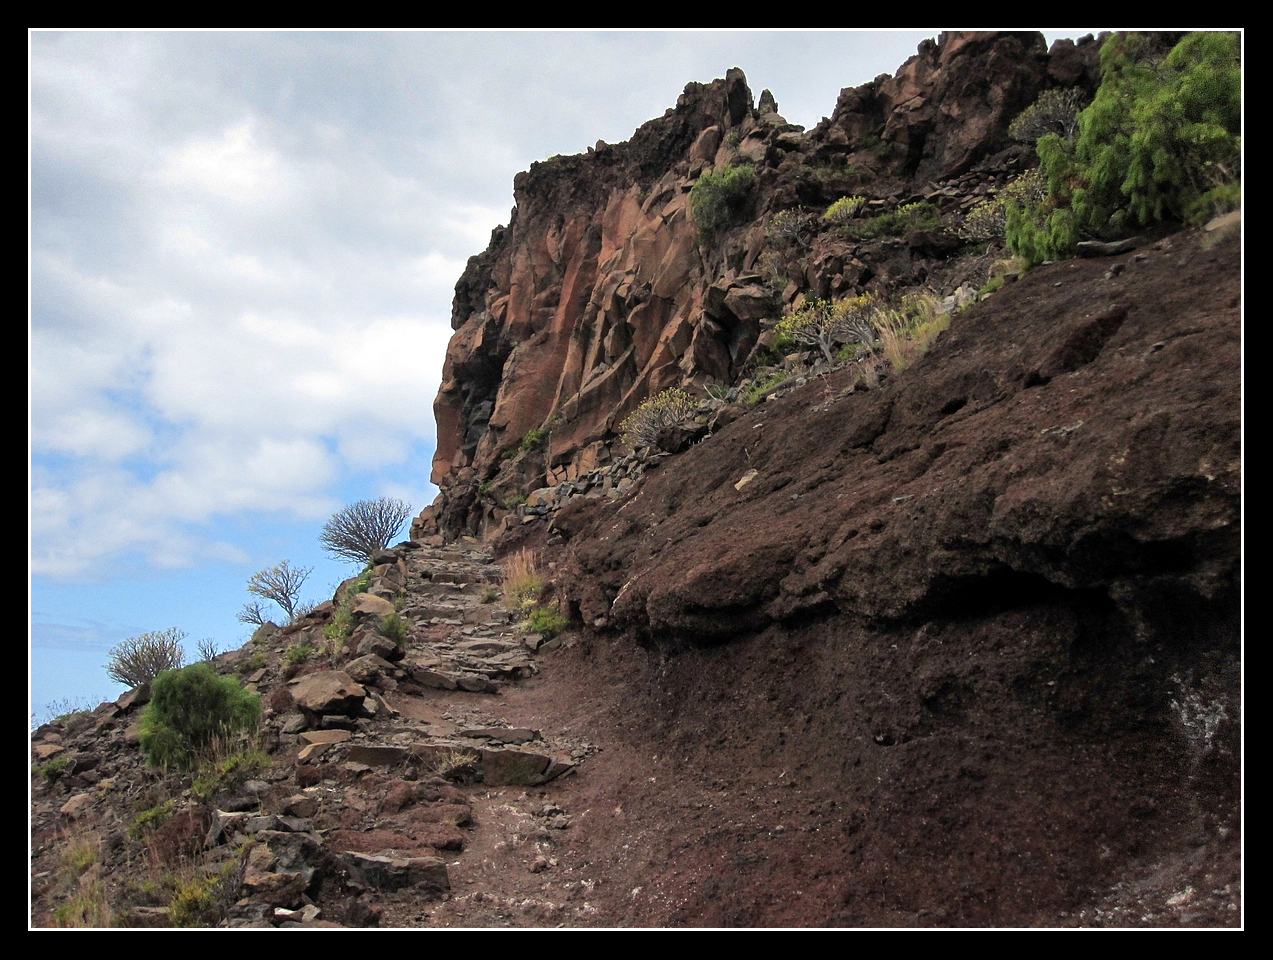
(242, 252)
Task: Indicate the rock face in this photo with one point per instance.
(1075, 436)
(601, 291)
(988, 612)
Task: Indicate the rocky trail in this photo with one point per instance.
(396, 775)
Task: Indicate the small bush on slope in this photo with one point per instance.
(189, 710)
(717, 199)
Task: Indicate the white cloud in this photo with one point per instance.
(233, 167)
(244, 247)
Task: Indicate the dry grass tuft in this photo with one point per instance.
(907, 330)
(523, 583)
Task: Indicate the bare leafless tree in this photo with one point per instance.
(139, 660)
(362, 528)
(282, 584)
(253, 612)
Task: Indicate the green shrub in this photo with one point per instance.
(717, 200)
(993, 285)
(751, 396)
(151, 819)
(642, 427)
(1159, 143)
(546, 621)
(911, 216)
(1159, 135)
(201, 898)
(298, 653)
(189, 710)
(396, 628)
(195, 903)
(779, 349)
(139, 660)
(847, 352)
(220, 771)
(534, 441)
(255, 662)
(50, 770)
(341, 624)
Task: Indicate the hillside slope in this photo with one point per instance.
(982, 622)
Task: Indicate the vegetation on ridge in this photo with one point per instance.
(360, 529)
(717, 200)
(1161, 142)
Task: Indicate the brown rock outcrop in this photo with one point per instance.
(1053, 442)
(600, 292)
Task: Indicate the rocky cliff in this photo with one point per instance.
(602, 290)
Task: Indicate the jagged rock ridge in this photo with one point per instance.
(600, 291)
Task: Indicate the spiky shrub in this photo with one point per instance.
(844, 210)
(643, 426)
(189, 710)
(139, 660)
(717, 199)
(985, 221)
(1056, 111)
(823, 323)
